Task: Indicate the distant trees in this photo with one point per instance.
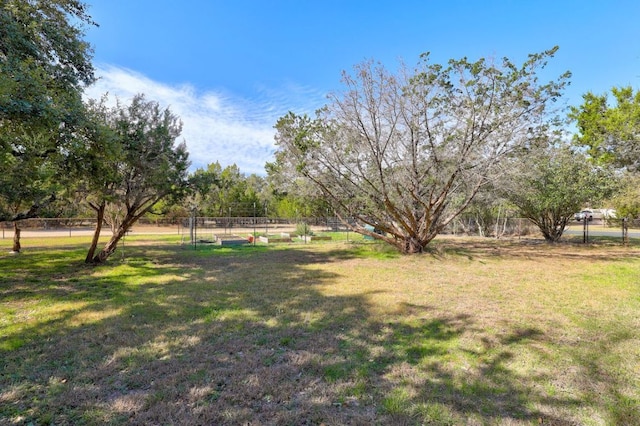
(610, 131)
(219, 192)
(407, 152)
(292, 195)
(626, 200)
(551, 185)
(222, 192)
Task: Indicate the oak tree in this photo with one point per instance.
(44, 66)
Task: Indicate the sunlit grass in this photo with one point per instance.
(476, 331)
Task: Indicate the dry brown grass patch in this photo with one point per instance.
(475, 332)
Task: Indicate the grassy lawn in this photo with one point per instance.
(476, 332)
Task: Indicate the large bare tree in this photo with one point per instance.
(406, 152)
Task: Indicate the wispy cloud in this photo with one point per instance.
(216, 126)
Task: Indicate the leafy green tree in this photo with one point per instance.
(132, 162)
(219, 192)
(44, 61)
(290, 207)
(27, 186)
(234, 193)
(95, 164)
(610, 131)
(626, 201)
(550, 184)
(44, 66)
(290, 195)
(204, 184)
(407, 152)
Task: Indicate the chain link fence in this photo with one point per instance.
(463, 225)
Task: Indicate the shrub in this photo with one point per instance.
(303, 228)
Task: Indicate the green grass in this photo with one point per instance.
(476, 331)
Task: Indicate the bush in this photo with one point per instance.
(303, 228)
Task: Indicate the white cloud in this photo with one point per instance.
(216, 127)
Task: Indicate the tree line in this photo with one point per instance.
(404, 153)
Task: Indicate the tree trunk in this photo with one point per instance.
(498, 234)
(96, 233)
(552, 229)
(107, 250)
(16, 238)
(110, 247)
(412, 245)
(480, 225)
(130, 218)
(551, 236)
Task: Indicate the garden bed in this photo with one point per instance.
(230, 240)
(274, 239)
(309, 238)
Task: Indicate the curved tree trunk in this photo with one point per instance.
(405, 241)
(109, 248)
(129, 220)
(96, 233)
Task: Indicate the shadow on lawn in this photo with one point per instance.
(186, 338)
(536, 249)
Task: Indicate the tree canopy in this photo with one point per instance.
(404, 151)
(130, 162)
(610, 131)
(44, 60)
(626, 201)
(552, 185)
(44, 65)
(219, 191)
(407, 152)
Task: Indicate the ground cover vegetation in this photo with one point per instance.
(477, 331)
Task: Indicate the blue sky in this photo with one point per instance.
(231, 68)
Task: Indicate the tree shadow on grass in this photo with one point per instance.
(177, 338)
(531, 249)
